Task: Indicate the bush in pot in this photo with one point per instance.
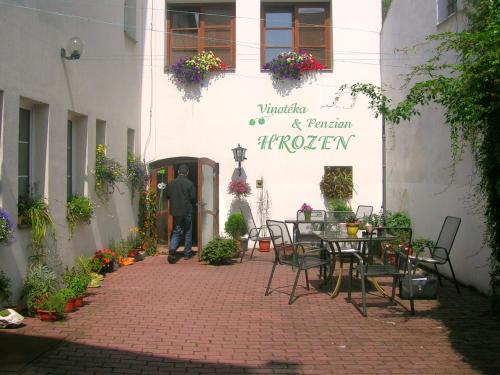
(79, 209)
(218, 251)
(69, 297)
(77, 282)
(236, 227)
(40, 282)
(52, 307)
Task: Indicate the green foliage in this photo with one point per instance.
(375, 220)
(397, 219)
(469, 91)
(351, 219)
(218, 251)
(137, 173)
(385, 7)
(76, 281)
(338, 205)
(66, 293)
(4, 287)
(108, 172)
(420, 243)
(121, 248)
(147, 217)
(87, 265)
(337, 183)
(236, 225)
(35, 213)
(53, 302)
(79, 209)
(40, 282)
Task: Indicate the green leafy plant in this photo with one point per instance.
(352, 219)
(137, 173)
(66, 294)
(397, 219)
(53, 302)
(35, 213)
(147, 216)
(76, 281)
(235, 225)
(218, 251)
(79, 209)
(337, 183)
(108, 172)
(338, 205)
(40, 282)
(5, 292)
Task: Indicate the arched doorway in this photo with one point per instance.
(204, 173)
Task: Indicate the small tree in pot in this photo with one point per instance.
(236, 227)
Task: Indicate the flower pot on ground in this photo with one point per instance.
(40, 282)
(52, 307)
(69, 296)
(264, 245)
(46, 315)
(79, 301)
(77, 282)
(236, 227)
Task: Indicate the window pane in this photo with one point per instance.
(279, 18)
(24, 159)
(218, 16)
(279, 38)
(217, 37)
(311, 36)
(312, 16)
(23, 188)
(271, 53)
(318, 53)
(224, 54)
(185, 38)
(177, 55)
(185, 18)
(24, 125)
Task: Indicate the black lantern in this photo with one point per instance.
(239, 155)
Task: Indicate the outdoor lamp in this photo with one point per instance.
(74, 49)
(239, 155)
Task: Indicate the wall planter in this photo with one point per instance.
(108, 172)
(292, 66)
(194, 69)
(79, 209)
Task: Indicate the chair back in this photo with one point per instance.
(446, 237)
(334, 217)
(364, 211)
(317, 222)
(251, 227)
(284, 249)
(381, 251)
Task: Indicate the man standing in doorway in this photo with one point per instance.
(181, 194)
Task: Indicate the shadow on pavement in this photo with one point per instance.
(23, 354)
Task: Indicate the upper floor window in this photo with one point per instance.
(193, 29)
(296, 27)
(445, 8)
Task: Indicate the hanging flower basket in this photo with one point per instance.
(195, 69)
(292, 65)
(239, 188)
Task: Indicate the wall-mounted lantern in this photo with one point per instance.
(239, 155)
(74, 49)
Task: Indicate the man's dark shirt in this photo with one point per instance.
(181, 194)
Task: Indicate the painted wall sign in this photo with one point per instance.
(302, 124)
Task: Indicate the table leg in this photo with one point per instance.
(335, 290)
(377, 286)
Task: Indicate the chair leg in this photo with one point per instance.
(412, 306)
(290, 301)
(307, 279)
(438, 275)
(243, 251)
(349, 286)
(271, 278)
(363, 292)
(454, 278)
(393, 294)
(253, 249)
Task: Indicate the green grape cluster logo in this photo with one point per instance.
(257, 120)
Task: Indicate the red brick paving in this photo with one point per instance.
(189, 318)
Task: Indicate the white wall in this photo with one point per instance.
(104, 84)
(218, 118)
(419, 175)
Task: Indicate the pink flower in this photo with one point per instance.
(305, 208)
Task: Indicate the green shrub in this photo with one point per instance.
(78, 210)
(40, 282)
(398, 219)
(235, 225)
(4, 288)
(54, 302)
(77, 282)
(218, 251)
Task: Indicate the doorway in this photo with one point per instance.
(204, 173)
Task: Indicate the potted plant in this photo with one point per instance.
(51, 308)
(239, 188)
(69, 296)
(108, 172)
(77, 282)
(306, 210)
(218, 251)
(236, 227)
(196, 68)
(352, 225)
(292, 65)
(263, 210)
(108, 260)
(137, 173)
(79, 209)
(6, 227)
(39, 283)
(337, 185)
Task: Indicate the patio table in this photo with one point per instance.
(334, 239)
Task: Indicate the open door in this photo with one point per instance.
(208, 202)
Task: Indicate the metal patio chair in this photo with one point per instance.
(254, 233)
(304, 231)
(364, 212)
(373, 261)
(295, 255)
(440, 252)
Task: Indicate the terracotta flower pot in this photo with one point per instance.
(70, 306)
(79, 301)
(264, 245)
(46, 315)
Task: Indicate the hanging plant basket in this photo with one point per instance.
(195, 69)
(292, 65)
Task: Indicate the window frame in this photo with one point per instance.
(69, 159)
(445, 4)
(296, 28)
(201, 8)
(31, 133)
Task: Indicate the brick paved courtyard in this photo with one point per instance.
(156, 318)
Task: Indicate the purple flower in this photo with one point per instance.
(6, 227)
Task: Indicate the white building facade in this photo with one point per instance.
(419, 174)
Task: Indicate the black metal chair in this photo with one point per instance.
(440, 252)
(255, 233)
(292, 254)
(364, 212)
(374, 261)
(304, 231)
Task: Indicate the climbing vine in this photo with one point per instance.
(469, 91)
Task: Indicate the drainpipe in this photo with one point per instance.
(383, 172)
